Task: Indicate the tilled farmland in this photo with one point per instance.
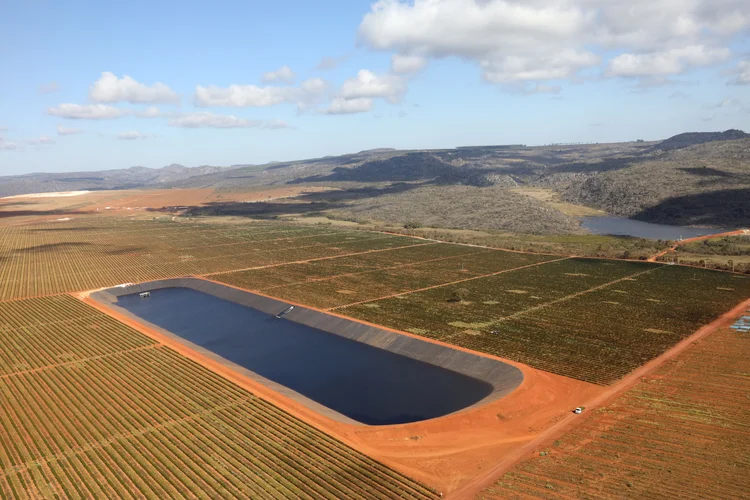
(94, 409)
(680, 433)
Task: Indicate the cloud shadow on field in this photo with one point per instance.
(4, 214)
(304, 204)
(53, 247)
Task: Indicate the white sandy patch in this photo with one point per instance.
(61, 194)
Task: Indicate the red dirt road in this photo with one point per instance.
(570, 421)
(690, 240)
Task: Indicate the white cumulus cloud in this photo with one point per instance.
(517, 42)
(668, 62)
(6, 145)
(305, 95)
(68, 131)
(283, 74)
(343, 106)
(742, 73)
(554, 66)
(110, 88)
(86, 111)
(369, 85)
(407, 64)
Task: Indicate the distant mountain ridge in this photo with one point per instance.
(692, 138)
(692, 178)
(128, 178)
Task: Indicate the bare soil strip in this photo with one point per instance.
(447, 284)
(562, 299)
(77, 361)
(121, 436)
(574, 295)
(305, 261)
(400, 266)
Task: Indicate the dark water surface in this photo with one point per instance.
(620, 226)
(367, 384)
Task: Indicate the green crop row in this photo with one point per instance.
(593, 320)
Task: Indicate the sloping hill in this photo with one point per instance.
(700, 184)
(692, 138)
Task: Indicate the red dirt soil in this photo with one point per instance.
(17, 211)
(447, 453)
(571, 421)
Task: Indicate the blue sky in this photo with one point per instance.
(79, 88)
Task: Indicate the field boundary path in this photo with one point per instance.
(471, 489)
(447, 284)
(387, 268)
(656, 257)
(566, 298)
(316, 259)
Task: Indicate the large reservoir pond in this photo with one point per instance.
(620, 226)
(370, 385)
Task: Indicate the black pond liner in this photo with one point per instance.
(344, 369)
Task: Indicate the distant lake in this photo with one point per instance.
(620, 226)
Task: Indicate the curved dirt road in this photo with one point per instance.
(474, 487)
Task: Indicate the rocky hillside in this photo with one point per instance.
(693, 178)
(705, 184)
(131, 178)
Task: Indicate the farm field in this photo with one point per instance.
(101, 403)
(96, 252)
(680, 433)
(94, 409)
(589, 319)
